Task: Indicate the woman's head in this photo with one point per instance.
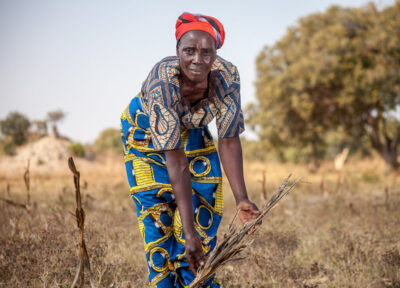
(189, 22)
(198, 37)
(197, 53)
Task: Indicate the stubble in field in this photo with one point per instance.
(321, 235)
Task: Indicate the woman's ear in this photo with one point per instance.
(177, 47)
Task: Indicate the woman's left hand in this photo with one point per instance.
(248, 211)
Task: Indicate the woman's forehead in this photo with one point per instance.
(197, 37)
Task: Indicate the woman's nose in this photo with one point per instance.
(197, 58)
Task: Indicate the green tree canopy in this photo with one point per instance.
(109, 139)
(337, 70)
(55, 116)
(16, 126)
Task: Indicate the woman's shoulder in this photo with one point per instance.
(166, 67)
(166, 70)
(226, 71)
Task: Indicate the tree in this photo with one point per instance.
(336, 70)
(54, 117)
(15, 126)
(109, 139)
(40, 127)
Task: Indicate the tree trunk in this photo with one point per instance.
(55, 132)
(390, 157)
(315, 159)
(385, 145)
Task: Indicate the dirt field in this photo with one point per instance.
(324, 234)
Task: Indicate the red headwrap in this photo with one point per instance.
(188, 22)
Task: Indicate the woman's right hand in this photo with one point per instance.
(194, 253)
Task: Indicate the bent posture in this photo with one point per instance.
(172, 164)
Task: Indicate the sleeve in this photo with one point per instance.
(126, 125)
(230, 122)
(164, 120)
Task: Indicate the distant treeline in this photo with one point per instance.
(17, 129)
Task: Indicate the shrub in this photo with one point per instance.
(109, 139)
(77, 149)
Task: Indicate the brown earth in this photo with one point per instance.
(327, 233)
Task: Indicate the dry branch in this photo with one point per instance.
(264, 194)
(231, 245)
(12, 203)
(80, 219)
(27, 181)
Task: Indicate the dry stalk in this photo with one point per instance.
(27, 205)
(80, 219)
(8, 188)
(12, 203)
(264, 194)
(232, 244)
(27, 180)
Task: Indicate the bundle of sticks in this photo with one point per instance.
(234, 241)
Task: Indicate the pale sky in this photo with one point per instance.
(89, 58)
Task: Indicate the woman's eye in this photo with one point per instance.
(189, 50)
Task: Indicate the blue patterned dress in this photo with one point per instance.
(157, 119)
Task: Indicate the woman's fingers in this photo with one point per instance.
(195, 264)
(194, 254)
(248, 212)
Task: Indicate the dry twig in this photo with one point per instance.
(80, 219)
(27, 181)
(264, 194)
(231, 245)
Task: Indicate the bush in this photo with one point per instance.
(109, 139)
(7, 147)
(77, 149)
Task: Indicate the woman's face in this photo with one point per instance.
(196, 52)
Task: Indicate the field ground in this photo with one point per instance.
(324, 234)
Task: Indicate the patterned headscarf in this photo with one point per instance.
(188, 22)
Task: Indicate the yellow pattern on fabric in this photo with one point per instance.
(163, 190)
(161, 161)
(158, 278)
(137, 189)
(205, 172)
(126, 115)
(159, 241)
(157, 208)
(137, 199)
(177, 227)
(143, 172)
(144, 143)
(185, 138)
(200, 152)
(155, 211)
(219, 199)
(219, 202)
(166, 255)
(211, 217)
(206, 179)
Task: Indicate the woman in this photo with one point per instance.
(172, 164)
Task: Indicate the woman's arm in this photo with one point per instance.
(230, 151)
(179, 175)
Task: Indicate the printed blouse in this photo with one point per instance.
(169, 114)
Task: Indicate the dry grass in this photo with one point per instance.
(321, 235)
